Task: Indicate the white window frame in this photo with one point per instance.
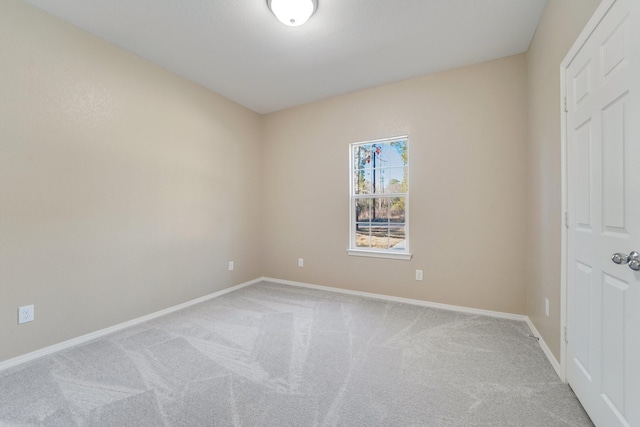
(371, 252)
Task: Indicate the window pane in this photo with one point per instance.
(380, 210)
(398, 153)
(397, 237)
(405, 178)
(365, 155)
(382, 152)
(395, 180)
(396, 209)
(362, 169)
(380, 180)
(363, 181)
(362, 235)
(360, 155)
(380, 235)
(363, 210)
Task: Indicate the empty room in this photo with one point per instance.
(319, 213)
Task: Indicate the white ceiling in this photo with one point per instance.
(238, 49)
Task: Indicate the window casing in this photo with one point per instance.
(379, 198)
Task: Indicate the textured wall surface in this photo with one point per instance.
(467, 130)
(559, 27)
(123, 188)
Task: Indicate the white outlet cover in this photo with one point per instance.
(231, 265)
(25, 314)
(419, 274)
(300, 262)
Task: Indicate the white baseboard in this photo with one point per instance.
(422, 303)
(97, 334)
(102, 332)
(556, 366)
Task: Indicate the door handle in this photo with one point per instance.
(620, 258)
(633, 259)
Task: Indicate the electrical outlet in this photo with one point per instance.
(230, 265)
(300, 262)
(546, 306)
(418, 274)
(25, 314)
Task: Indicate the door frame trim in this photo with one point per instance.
(600, 12)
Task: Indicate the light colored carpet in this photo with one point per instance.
(273, 355)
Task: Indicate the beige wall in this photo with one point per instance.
(467, 131)
(561, 23)
(123, 188)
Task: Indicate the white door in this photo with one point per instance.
(603, 188)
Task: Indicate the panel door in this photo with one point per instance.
(603, 165)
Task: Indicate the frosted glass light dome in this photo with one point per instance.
(293, 12)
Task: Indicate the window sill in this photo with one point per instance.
(380, 254)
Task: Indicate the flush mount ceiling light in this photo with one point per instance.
(293, 12)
